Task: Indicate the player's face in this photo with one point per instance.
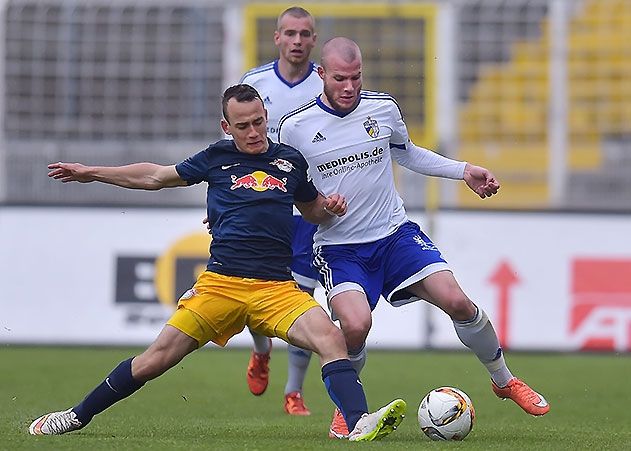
(342, 82)
(295, 39)
(248, 125)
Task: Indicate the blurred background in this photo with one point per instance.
(538, 91)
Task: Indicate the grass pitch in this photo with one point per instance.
(204, 404)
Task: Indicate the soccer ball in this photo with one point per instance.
(446, 413)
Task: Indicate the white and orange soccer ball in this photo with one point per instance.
(446, 413)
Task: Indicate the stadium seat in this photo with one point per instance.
(504, 123)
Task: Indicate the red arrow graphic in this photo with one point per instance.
(504, 277)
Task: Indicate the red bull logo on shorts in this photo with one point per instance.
(259, 181)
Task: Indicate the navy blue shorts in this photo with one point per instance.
(382, 268)
(302, 249)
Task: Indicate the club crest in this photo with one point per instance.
(372, 127)
(283, 165)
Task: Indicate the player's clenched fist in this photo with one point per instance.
(336, 205)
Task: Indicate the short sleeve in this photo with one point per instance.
(194, 169)
(305, 190)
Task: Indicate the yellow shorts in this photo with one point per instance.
(219, 307)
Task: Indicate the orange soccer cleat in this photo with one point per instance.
(295, 404)
(258, 373)
(338, 429)
(524, 396)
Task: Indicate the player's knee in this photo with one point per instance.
(331, 344)
(459, 307)
(355, 331)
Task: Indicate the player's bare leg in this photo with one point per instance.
(475, 331)
(297, 364)
(166, 351)
(314, 330)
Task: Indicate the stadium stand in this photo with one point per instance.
(108, 83)
(114, 81)
(505, 100)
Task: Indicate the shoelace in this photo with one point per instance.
(339, 425)
(62, 422)
(524, 391)
(361, 427)
(258, 368)
(295, 401)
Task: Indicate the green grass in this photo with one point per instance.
(203, 403)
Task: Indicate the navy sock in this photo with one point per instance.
(119, 384)
(345, 390)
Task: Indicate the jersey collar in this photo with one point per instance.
(330, 110)
(271, 148)
(291, 85)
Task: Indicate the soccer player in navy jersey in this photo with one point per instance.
(349, 137)
(252, 184)
(285, 84)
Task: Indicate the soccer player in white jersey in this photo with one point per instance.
(285, 84)
(348, 137)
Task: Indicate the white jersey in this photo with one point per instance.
(350, 154)
(280, 96)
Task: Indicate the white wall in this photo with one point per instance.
(568, 286)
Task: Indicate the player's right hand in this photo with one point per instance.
(69, 172)
(336, 205)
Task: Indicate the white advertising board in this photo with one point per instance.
(111, 276)
(548, 281)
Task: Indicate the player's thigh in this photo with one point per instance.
(346, 268)
(215, 309)
(314, 330)
(442, 290)
(275, 305)
(438, 286)
(170, 347)
(409, 256)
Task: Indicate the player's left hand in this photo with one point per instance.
(208, 227)
(481, 181)
(336, 205)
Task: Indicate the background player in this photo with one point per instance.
(285, 84)
(252, 184)
(375, 250)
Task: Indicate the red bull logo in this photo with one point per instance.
(259, 181)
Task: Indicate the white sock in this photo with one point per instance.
(262, 344)
(478, 335)
(358, 358)
(297, 368)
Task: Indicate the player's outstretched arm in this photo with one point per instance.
(322, 209)
(480, 180)
(148, 176)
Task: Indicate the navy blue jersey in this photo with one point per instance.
(250, 200)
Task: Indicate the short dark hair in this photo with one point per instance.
(241, 93)
(294, 11)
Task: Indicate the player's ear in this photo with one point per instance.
(321, 72)
(276, 37)
(225, 127)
